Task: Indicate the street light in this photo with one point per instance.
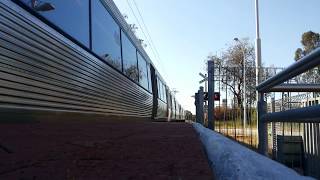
(244, 83)
(258, 47)
(262, 127)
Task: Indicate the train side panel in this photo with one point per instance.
(42, 70)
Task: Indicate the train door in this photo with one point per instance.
(155, 92)
(175, 109)
(169, 105)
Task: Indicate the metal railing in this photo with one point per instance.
(277, 84)
(295, 128)
(227, 113)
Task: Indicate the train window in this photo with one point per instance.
(105, 35)
(159, 88)
(71, 16)
(143, 72)
(149, 78)
(164, 93)
(172, 102)
(129, 57)
(167, 96)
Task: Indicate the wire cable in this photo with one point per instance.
(146, 34)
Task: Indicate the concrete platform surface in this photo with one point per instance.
(101, 150)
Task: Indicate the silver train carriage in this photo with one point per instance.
(76, 59)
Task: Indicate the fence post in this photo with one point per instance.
(210, 95)
(274, 130)
(262, 126)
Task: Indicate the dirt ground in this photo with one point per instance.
(101, 150)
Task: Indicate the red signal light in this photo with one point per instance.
(216, 96)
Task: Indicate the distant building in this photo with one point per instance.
(295, 101)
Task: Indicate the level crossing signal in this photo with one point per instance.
(216, 96)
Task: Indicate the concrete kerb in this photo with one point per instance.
(230, 160)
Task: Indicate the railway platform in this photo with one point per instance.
(97, 149)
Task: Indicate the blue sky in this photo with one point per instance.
(185, 32)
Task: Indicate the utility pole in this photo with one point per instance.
(258, 48)
(262, 127)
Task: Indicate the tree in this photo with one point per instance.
(310, 41)
(133, 73)
(230, 67)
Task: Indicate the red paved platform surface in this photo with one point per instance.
(101, 150)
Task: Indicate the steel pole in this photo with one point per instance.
(210, 95)
(258, 58)
(262, 126)
(258, 47)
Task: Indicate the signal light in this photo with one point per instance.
(205, 96)
(216, 96)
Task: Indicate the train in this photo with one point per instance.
(70, 59)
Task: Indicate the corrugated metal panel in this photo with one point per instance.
(162, 110)
(40, 68)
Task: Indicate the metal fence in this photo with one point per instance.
(229, 110)
(288, 128)
(283, 123)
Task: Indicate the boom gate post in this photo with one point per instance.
(196, 103)
(199, 106)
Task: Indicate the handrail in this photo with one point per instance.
(274, 84)
(308, 62)
(310, 114)
(295, 88)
